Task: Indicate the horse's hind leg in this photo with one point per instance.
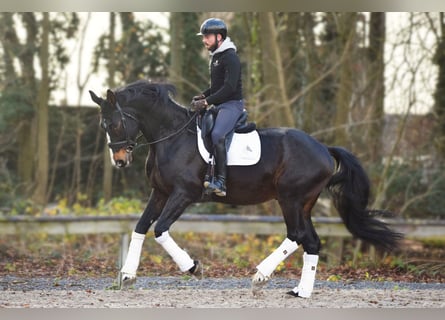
(299, 231)
(287, 247)
(268, 265)
(305, 234)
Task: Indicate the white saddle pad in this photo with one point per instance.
(245, 149)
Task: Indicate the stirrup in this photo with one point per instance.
(218, 187)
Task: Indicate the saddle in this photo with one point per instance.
(206, 122)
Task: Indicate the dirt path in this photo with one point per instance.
(236, 298)
(174, 292)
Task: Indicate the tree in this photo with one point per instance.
(17, 104)
(277, 103)
(311, 59)
(439, 94)
(76, 185)
(137, 51)
(176, 49)
(375, 71)
(40, 192)
(132, 53)
(107, 183)
(346, 36)
(20, 108)
(188, 69)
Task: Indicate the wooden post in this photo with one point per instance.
(123, 251)
(334, 250)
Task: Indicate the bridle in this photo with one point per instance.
(130, 144)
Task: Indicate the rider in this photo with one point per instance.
(225, 93)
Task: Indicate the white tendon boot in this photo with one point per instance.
(306, 285)
(181, 257)
(269, 264)
(128, 271)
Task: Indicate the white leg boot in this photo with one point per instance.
(306, 285)
(128, 271)
(181, 257)
(268, 265)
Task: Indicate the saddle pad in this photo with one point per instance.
(245, 149)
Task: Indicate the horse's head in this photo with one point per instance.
(121, 128)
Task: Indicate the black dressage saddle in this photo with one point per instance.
(206, 122)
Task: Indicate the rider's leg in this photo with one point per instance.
(218, 185)
(228, 114)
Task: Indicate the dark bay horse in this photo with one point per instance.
(294, 169)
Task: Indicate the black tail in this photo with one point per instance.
(349, 188)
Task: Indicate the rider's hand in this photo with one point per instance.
(198, 105)
(198, 97)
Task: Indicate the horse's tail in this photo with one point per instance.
(349, 188)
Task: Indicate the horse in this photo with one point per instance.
(294, 169)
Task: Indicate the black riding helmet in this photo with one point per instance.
(213, 26)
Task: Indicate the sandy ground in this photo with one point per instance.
(231, 298)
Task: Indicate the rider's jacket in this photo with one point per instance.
(225, 75)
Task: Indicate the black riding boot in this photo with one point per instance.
(218, 185)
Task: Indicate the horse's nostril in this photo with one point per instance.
(120, 163)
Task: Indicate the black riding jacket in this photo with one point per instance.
(225, 75)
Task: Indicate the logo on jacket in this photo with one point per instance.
(216, 63)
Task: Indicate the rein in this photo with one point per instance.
(131, 145)
(170, 135)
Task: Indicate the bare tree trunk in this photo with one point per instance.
(439, 95)
(176, 52)
(309, 102)
(376, 83)
(252, 83)
(12, 49)
(76, 173)
(76, 186)
(93, 167)
(273, 74)
(40, 193)
(290, 44)
(108, 168)
(347, 34)
(57, 152)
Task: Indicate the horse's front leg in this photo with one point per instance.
(175, 206)
(149, 216)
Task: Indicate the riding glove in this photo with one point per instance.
(199, 105)
(198, 97)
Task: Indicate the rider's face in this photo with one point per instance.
(211, 40)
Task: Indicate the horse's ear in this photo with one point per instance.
(95, 98)
(111, 98)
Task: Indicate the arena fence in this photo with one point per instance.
(214, 223)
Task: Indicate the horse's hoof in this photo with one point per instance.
(298, 294)
(293, 294)
(197, 270)
(258, 282)
(127, 280)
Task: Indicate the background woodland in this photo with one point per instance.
(325, 73)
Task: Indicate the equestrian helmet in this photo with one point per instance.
(215, 26)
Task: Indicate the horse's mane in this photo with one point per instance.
(155, 93)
